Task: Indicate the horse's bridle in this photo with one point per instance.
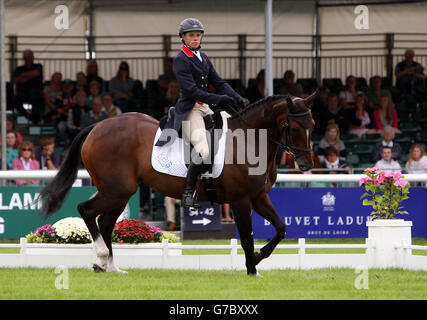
(287, 137)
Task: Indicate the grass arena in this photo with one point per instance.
(219, 150)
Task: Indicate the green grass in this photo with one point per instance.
(32, 283)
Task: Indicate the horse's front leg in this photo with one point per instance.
(263, 206)
(242, 211)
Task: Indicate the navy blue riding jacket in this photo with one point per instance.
(193, 76)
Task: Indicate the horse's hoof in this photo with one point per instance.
(116, 270)
(258, 275)
(97, 268)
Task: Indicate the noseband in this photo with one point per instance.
(286, 142)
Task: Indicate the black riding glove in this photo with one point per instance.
(243, 102)
(226, 101)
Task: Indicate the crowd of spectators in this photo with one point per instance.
(70, 105)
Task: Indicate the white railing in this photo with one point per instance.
(169, 256)
(83, 174)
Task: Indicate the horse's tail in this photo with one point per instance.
(53, 195)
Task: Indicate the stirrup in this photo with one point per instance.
(189, 202)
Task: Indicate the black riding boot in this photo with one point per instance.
(194, 170)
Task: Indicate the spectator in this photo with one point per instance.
(92, 75)
(417, 161)
(45, 155)
(108, 107)
(286, 158)
(94, 115)
(10, 126)
(81, 84)
(171, 212)
(75, 115)
(387, 141)
(334, 114)
(332, 162)
(257, 92)
(385, 115)
(121, 85)
(53, 98)
(173, 93)
(331, 138)
(11, 147)
(386, 162)
(67, 103)
(320, 105)
(164, 79)
(226, 211)
(360, 122)
(290, 86)
(374, 94)
(94, 91)
(409, 73)
(29, 87)
(348, 96)
(26, 161)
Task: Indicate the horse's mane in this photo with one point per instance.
(257, 104)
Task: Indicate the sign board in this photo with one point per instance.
(207, 217)
(333, 213)
(18, 216)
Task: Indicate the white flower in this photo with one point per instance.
(72, 228)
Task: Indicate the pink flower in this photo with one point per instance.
(388, 174)
(396, 175)
(401, 183)
(363, 180)
(379, 180)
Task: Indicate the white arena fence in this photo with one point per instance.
(167, 255)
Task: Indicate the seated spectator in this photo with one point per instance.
(332, 138)
(26, 161)
(11, 148)
(121, 85)
(257, 92)
(172, 95)
(320, 105)
(290, 86)
(164, 79)
(409, 73)
(29, 87)
(94, 115)
(347, 97)
(75, 115)
(108, 107)
(386, 163)
(387, 141)
(417, 161)
(45, 155)
(67, 103)
(10, 126)
(360, 122)
(385, 115)
(374, 94)
(334, 114)
(94, 91)
(53, 98)
(92, 75)
(81, 84)
(331, 161)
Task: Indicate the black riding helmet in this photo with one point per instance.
(190, 24)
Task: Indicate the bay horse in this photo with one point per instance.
(117, 154)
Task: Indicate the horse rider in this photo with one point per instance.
(194, 70)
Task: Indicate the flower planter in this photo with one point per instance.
(146, 249)
(385, 236)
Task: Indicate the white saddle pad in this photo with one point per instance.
(170, 159)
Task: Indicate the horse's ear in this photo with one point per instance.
(310, 99)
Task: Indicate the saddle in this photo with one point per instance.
(207, 176)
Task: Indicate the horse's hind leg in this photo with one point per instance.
(106, 224)
(242, 216)
(89, 211)
(265, 209)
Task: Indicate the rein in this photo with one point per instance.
(285, 128)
